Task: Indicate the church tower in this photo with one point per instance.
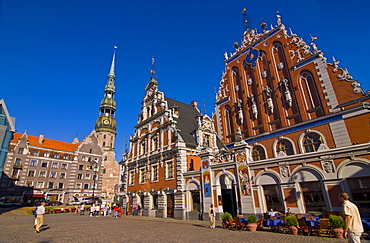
(105, 128)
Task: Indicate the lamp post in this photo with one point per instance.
(96, 169)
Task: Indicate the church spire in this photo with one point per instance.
(106, 121)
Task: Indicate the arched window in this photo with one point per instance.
(284, 146)
(229, 120)
(258, 153)
(311, 142)
(310, 94)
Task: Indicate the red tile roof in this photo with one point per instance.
(47, 143)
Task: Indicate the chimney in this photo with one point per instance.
(194, 104)
(41, 138)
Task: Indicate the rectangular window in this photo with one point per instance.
(53, 174)
(31, 173)
(169, 170)
(17, 161)
(79, 176)
(78, 186)
(87, 176)
(66, 156)
(50, 184)
(33, 162)
(83, 158)
(20, 150)
(62, 175)
(64, 166)
(142, 176)
(86, 186)
(80, 167)
(56, 156)
(40, 184)
(46, 154)
(155, 173)
(132, 177)
(44, 164)
(54, 165)
(60, 185)
(29, 183)
(36, 153)
(42, 174)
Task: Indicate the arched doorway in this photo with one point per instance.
(228, 195)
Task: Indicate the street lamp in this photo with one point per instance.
(96, 169)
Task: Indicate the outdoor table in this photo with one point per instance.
(273, 222)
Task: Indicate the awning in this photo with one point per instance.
(34, 195)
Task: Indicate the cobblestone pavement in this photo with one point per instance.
(69, 227)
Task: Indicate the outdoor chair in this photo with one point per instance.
(324, 228)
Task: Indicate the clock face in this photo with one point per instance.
(106, 122)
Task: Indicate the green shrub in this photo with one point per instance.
(252, 219)
(292, 220)
(226, 217)
(336, 221)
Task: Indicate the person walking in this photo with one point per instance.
(212, 217)
(40, 211)
(352, 220)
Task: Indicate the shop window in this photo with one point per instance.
(272, 198)
(313, 196)
(360, 192)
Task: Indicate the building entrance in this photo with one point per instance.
(228, 195)
(170, 205)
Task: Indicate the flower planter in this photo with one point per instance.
(293, 229)
(337, 232)
(252, 227)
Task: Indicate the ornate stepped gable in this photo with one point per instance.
(274, 79)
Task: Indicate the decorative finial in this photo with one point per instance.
(246, 19)
(278, 18)
(152, 70)
(263, 25)
(313, 38)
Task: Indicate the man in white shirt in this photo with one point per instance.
(40, 211)
(353, 225)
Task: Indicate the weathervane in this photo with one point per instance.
(152, 70)
(246, 19)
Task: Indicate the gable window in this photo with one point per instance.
(142, 147)
(20, 150)
(258, 153)
(155, 142)
(311, 142)
(17, 161)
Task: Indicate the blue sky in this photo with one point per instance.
(55, 55)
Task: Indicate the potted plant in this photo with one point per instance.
(226, 217)
(252, 223)
(338, 223)
(292, 221)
